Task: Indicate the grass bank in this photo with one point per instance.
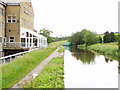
(20, 67)
(15, 71)
(103, 48)
(51, 76)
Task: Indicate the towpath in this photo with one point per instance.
(36, 71)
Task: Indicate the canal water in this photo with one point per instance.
(84, 69)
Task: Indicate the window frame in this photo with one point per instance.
(11, 39)
(12, 18)
(1, 39)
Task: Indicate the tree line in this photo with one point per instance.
(47, 33)
(88, 38)
(85, 36)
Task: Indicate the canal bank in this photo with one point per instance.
(85, 69)
(110, 50)
(52, 76)
(13, 72)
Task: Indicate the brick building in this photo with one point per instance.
(19, 27)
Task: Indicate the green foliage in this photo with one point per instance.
(119, 46)
(46, 33)
(104, 48)
(55, 39)
(57, 44)
(51, 76)
(84, 37)
(76, 39)
(100, 39)
(112, 37)
(90, 38)
(109, 37)
(61, 49)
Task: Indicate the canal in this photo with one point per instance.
(85, 69)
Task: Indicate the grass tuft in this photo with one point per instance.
(51, 76)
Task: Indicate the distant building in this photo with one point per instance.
(19, 27)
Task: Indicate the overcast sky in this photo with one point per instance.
(64, 17)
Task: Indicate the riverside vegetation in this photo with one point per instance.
(106, 44)
(13, 72)
(52, 75)
(107, 49)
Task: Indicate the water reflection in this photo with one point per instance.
(84, 69)
(85, 56)
(107, 60)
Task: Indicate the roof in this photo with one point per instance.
(33, 33)
(2, 3)
(15, 1)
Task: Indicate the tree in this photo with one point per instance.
(75, 39)
(46, 33)
(106, 37)
(84, 37)
(109, 37)
(112, 37)
(90, 38)
(100, 39)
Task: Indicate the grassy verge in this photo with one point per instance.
(103, 48)
(15, 71)
(51, 76)
(61, 49)
(20, 67)
(58, 43)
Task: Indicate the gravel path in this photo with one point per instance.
(36, 71)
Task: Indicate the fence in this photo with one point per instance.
(9, 58)
(15, 45)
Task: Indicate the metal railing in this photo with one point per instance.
(9, 58)
(22, 45)
(17, 45)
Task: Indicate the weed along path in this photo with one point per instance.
(36, 71)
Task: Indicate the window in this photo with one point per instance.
(12, 39)
(12, 19)
(3, 27)
(26, 11)
(23, 34)
(9, 19)
(1, 39)
(2, 11)
(27, 34)
(0, 25)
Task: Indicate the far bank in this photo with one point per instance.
(110, 50)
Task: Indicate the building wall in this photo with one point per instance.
(26, 15)
(13, 29)
(25, 18)
(2, 27)
(2, 20)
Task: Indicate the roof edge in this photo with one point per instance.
(2, 3)
(13, 4)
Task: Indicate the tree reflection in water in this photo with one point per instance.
(107, 60)
(86, 57)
